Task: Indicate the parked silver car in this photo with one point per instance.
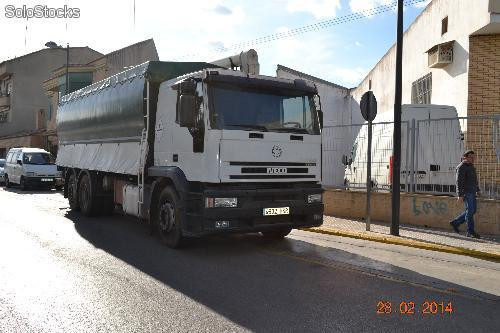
(2, 172)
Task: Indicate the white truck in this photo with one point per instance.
(438, 145)
(194, 149)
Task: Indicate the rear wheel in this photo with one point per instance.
(7, 183)
(72, 192)
(87, 196)
(169, 219)
(277, 234)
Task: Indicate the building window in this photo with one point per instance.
(421, 90)
(369, 84)
(444, 26)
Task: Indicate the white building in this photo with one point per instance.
(438, 55)
(339, 109)
(451, 56)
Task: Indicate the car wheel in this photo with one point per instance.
(22, 184)
(7, 183)
(276, 234)
(169, 219)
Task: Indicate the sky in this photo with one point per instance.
(206, 30)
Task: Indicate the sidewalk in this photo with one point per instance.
(433, 239)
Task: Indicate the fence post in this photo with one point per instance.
(413, 152)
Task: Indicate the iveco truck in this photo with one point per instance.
(194, 149)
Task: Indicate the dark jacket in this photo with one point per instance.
(466, 179)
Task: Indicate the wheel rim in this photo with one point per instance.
(167, 217)
(84, 195)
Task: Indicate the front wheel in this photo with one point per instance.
(22, 184)
(169, 219)
(277, 234)
(7, 183)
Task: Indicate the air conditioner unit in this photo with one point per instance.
(440, 55)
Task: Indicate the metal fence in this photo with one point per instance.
(431, 149)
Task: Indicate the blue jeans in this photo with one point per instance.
(468, 215)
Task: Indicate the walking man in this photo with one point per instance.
(467, 189)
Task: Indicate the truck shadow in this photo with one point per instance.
(273, 286)
(31, 190)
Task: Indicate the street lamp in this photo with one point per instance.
(53, 45)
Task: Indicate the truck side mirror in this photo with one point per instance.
(320, 118)
(20, 162)
(344, 160)
(187, 115)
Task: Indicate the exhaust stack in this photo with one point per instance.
(248, 62)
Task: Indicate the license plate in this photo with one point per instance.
(277, 211)
(46, 179)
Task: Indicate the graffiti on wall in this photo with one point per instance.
(429, 207)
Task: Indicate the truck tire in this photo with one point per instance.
(276, 234)
(87, 199)
(169, 218)
(72, 192)
(7, 183)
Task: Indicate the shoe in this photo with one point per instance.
(455, 228)
(473, 235)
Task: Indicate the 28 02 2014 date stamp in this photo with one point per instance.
(426, 308)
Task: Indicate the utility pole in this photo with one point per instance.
(67, 69)
(396, 168)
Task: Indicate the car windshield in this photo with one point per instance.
(261, 110)
(37, 158)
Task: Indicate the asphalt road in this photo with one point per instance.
(60, 272)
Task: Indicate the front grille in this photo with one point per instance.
(264, 170)
(271, 164)
(270, 176)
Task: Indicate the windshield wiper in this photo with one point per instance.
(289, 129)
(250, 126)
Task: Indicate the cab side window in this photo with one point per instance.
(18, 157)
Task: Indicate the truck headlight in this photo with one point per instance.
(221, 202)
(312, 198)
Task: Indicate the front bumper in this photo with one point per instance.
(249, 215)
(44, 181)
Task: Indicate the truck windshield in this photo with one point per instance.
(258, 110)
(37, 158)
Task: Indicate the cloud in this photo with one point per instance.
(320, 9)
(366, 6)
(222, 10)
(422, 4)
(295, 52)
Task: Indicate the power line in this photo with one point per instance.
(310, 28)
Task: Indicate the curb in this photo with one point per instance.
(389, 239)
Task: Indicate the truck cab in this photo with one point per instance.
(250, 144)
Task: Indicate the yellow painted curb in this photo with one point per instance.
(389, 239)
